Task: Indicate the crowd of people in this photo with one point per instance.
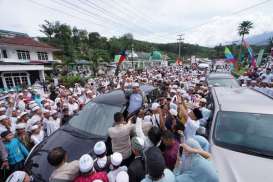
(164, 142)
(260, 79)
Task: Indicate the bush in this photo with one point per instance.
(69, 81)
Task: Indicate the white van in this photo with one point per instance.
(241, 134)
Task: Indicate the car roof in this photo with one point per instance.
(219, 75)
(116, 98)
(243, 100)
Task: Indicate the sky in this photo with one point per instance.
(203, 22)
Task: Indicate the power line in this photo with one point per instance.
(110, 14)
(135, 13)
(211, 21)
(62, 4)
(96, 15)
(234, 13)
(65, 13)
(127, 12)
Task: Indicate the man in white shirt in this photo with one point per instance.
(267, 76)
(72, 106)
(136, 99)
(20, 103)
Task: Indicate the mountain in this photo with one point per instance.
(261, 39)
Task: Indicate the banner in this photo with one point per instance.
(260, 57)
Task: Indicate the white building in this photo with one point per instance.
(23, 60)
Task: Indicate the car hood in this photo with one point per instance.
(74, 141)
(241, 167)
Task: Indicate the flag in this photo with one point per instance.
(260, 57)
(120, 58)
(250, 53)
(178, 61)
(229, 56)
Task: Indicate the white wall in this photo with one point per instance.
(12, 54)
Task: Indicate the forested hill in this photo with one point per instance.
(79, 44)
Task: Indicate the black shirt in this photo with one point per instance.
(136, 170)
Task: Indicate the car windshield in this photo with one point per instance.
(245, 132)
(95, 118)
(223, 82)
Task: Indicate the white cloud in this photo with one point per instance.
(150, 20)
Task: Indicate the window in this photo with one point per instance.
(42, 55)
(14, 79)
(245, 132)
(23, 55)
(94, 120)
(9, 82)
(4, 53)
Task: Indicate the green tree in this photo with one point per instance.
(95, 56)
(47, 29)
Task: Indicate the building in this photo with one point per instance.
(23, 60)
(143, 60)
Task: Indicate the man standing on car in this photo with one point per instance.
(136, 99)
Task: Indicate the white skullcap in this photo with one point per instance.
(32, 102)
(17, 176)
(175, 86)
(116, 158)
(100, 148)
(22, 114)
(154, 106)
(34, 127)
(21, 126)
(34, 120)
(203, 100)
(86, 163)
(135, 84)
(32, 105)
(35, 108)
(53, 112)
(3, 117)
(173, 91)
(122, 176)
(173, 112)
(2, 109)
(46, 111)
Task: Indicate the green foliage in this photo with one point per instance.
(245, 27)
(80, 44)
(69, 81)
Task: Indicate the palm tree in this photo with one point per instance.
(244, 29)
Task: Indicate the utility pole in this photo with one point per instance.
(132, 55)
(180, 39)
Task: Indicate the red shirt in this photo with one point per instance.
(92, 176)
